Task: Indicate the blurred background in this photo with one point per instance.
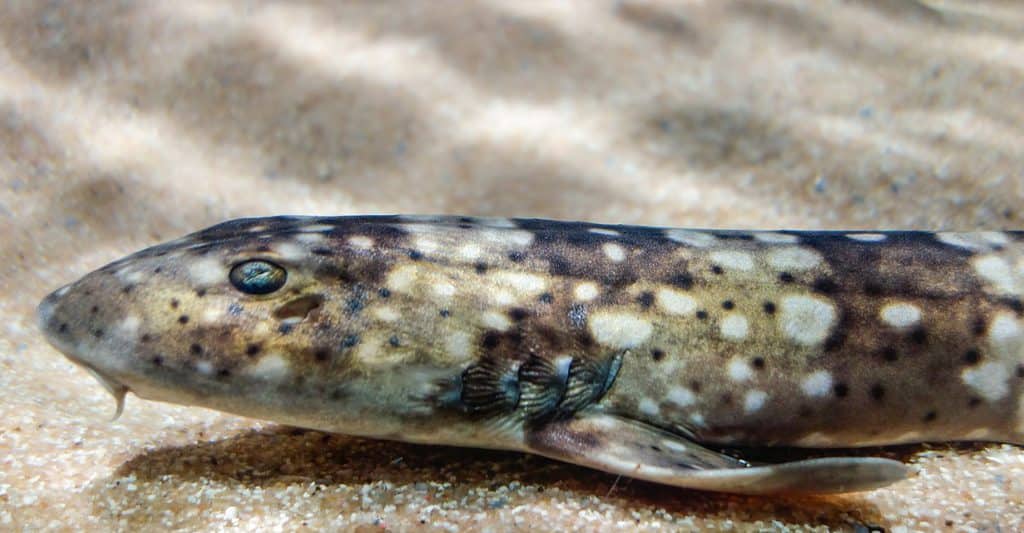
(126, 123)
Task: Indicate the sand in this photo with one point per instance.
(126, 123)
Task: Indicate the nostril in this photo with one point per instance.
(298, 309)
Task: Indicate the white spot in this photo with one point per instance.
(502, 297)
(816, 439)
(619, 330)
(495, 320)
(270, 367)
(62, 291)
(649, 407)
(289, 251)
(866, 237)
(257, 228)
(495, 222)
(681, 396)
(817, 384)
(212, 315)
(130, 325)
(735, 327)
(443, 290)
(525, 284)
(995, 238)
(207, 271)
(675, 302)
(776, 238)
(697, 419)
(402, 278)
(739, 370)
(733, 260)
(675, 446)
(204, 367)
(970, 241)
(458, 344)
(386, 314)
(696, 239)
(614, 252)
(317, 228)
(900, 315)
(519, 238)
(361, 241)
(309, 237)
(806, 320)
(978, 434)
(990, 380)
(754, 400)
(131, 276)
(794, 258)
(1004, 330)
(585, 291)
(425, 245)
(996, 271)
(470, 252)
(603, 231)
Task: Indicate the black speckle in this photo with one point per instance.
(146, 337)
(285, 328)
(355, 304)
(919, 336)
(841, 390)
(384, 292)
(174, 304)
(480, 268)
(786, 277)
(195, 349)
(350, 341)
(518, 314)
(547, 298)
(322, 251)
(702, 314)
(930, 416)
(200, 292)
(646, 299)
(158, 360)
(445, 313)
(657, 354)
(717, 269)
(695, 385)
(726, 398)
(63, 328)
(825, 286)
(223, 373)
(490, 340)
(393, 341)
(655, 448)
(972, 357)
(973, 402)
(683, 281)
(183, 319)
(728, 305)
(516, 256)
(1015, 304)
(94, 309)
(127, 289)
(769, 308)
(322, 355)
(578, 315)
(415, 255)
(158, 270)
(1020, 371)
(252, 350)
(877, 392)
(758, 362)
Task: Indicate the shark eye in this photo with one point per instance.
(257, 277)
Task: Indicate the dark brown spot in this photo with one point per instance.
(1020, 371)
(683, 281)
(971, 357)
(769, 308)
(158, 270)
(200, 292)
(127, 289)
(195, 349)
(786, 277)
(877, 392)
(930, 416)
(94, 309)
(445, 313)
(322, 355)
(480, 268)
(146, 337)
(728, 304)
(158, 360)
(183, 319)
(758, 362)
(252, 350)
(322, 251)
(516, 256)
(393, 341)
(702, 314)
(415, 255)
(517, 314)
(646, 299)
(547, 298)
(873, 288)
(715, 269)
(695, 385)
(490, 340)
(841, 390)
(223, 373)
(825, 286)
(175, 304)
(657, 354)
(558, 266)
(979, 326)
(973, 402)
(97, 333)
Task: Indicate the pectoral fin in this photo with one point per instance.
(632, 448)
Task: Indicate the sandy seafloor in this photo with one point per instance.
(126, 123)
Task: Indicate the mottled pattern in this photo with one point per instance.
(552, 336)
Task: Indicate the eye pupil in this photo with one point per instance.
(258, 277)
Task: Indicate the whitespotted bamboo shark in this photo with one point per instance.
(635, 350)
